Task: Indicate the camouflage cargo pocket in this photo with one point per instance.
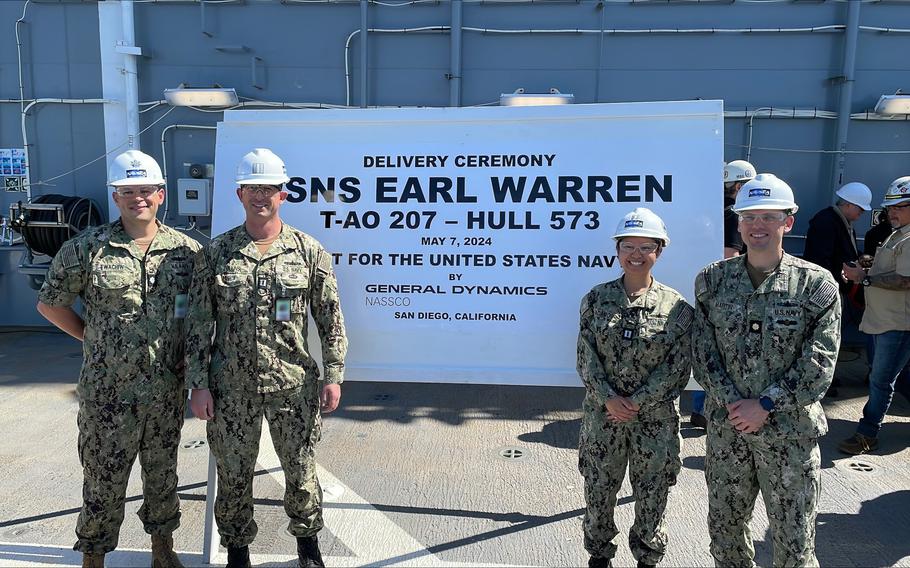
(293, 286)
(232, 291)
(116, 291)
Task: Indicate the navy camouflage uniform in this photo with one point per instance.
(259, 364)
(638, 349)
(131, 388)
(781, 341)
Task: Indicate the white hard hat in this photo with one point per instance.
(856, 193)
(642, 222)
(898, 192)
(134, 168)
(261, 166)
(738, 170)
(765, 191)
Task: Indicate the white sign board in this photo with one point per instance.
(464, 239)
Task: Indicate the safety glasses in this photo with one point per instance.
(265, 190)
(767, 218)
(140, 191)
(645, 249)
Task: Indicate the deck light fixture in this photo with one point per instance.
(201, 97)
(893, 104)
(521, 98)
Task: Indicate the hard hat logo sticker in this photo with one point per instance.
(258, 168)
(136, 173)
(760, 192)
(631, 223)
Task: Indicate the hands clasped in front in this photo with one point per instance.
(747, 415)
(621, 409)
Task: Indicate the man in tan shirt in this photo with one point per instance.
(887, 316)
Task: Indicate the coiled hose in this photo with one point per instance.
(78, 212)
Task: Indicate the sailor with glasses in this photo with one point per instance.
(764, 343)
(132, 276)
(253, 290)
(887, 316)
(634, 360)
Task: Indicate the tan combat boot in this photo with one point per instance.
(858, 444)
(92, 560)
(163, 555)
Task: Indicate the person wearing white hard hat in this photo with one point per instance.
(132, 276)
(736, 174)
(765, 343)
(253, 288)
(887, 316)
(634, 360)
(831, 242)
(831, 238)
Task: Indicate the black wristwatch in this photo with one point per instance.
(766, 403)
(865, 281)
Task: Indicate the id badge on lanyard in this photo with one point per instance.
(181, 302)
(283, 309)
